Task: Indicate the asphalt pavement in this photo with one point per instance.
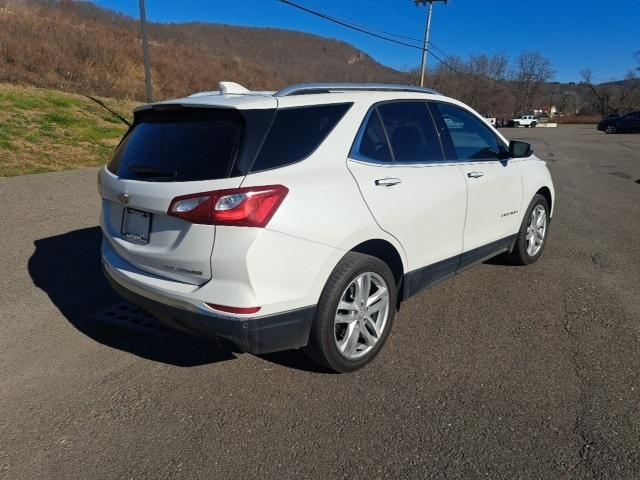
(503, 372)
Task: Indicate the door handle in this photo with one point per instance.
(475, 174)
(387, 181)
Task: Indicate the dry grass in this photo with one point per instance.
(577, 119)
(45, 130)
(53, 47)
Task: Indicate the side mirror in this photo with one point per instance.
(520, 149)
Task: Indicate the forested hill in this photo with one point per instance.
(80, 47)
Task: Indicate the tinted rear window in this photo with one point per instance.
(295, 133)
(411, 132)
(180, 147)
(371, 143)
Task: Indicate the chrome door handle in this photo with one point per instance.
(475, 174)
(387, 182)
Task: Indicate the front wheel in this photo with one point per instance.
(533, 232)
(610, 129)
(533, 124)
(354, 314)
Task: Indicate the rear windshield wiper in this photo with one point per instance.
(151, 171)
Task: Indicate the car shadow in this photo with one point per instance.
(499, 260)
(67, 268)
(297, 360)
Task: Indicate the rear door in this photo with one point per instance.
(412, 192)
(164, 155)
(494, 184)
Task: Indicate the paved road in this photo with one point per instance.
(503, 372)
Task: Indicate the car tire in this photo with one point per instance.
(524, 253)
(516, 124)
(609, 129)
(534, 124)
(344, 340)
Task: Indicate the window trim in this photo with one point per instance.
(355, 155)
(457, 160)
(348, 106)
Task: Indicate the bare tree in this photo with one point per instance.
(613, 96)
(531, 71)
(628, 95)
(599, 96)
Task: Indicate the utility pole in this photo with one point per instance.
(145, 52)
(427, 34)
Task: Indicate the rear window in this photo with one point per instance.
(411, 132)
(180, 146)
(295, 133)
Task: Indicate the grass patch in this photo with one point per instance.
(62, 119)
(47, 130)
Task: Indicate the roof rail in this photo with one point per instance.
(310, 88)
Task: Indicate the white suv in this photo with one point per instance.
(302, 218)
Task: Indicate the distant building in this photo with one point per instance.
(548, 111)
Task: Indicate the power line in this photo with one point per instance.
(357, 28)
(348, 25)
(358, 23)
(362, 30)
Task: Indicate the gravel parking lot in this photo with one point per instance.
(502, 373)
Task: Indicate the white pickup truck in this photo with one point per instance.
(490, 120)
(525, 121)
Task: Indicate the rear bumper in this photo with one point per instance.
(257, 335)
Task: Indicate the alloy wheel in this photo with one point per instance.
(536, 230)
(361, 316)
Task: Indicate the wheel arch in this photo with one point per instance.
(546, 193)
(389, 254)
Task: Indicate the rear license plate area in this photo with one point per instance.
(136, 225)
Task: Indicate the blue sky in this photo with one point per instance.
(574, 34)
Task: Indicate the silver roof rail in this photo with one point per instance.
(309, 88)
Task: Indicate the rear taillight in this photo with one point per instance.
(240, 207)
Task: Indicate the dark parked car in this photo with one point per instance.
(619, 123)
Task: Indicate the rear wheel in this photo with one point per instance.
(533, 233)
(354, 315)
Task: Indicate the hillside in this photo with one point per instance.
(46, 130)
(54, 47)
(79, 47)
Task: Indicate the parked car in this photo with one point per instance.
(303, 218)
(525, 121)
(620, 123)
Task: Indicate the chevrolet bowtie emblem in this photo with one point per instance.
(124, 198)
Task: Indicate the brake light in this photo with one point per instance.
(240, 207)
